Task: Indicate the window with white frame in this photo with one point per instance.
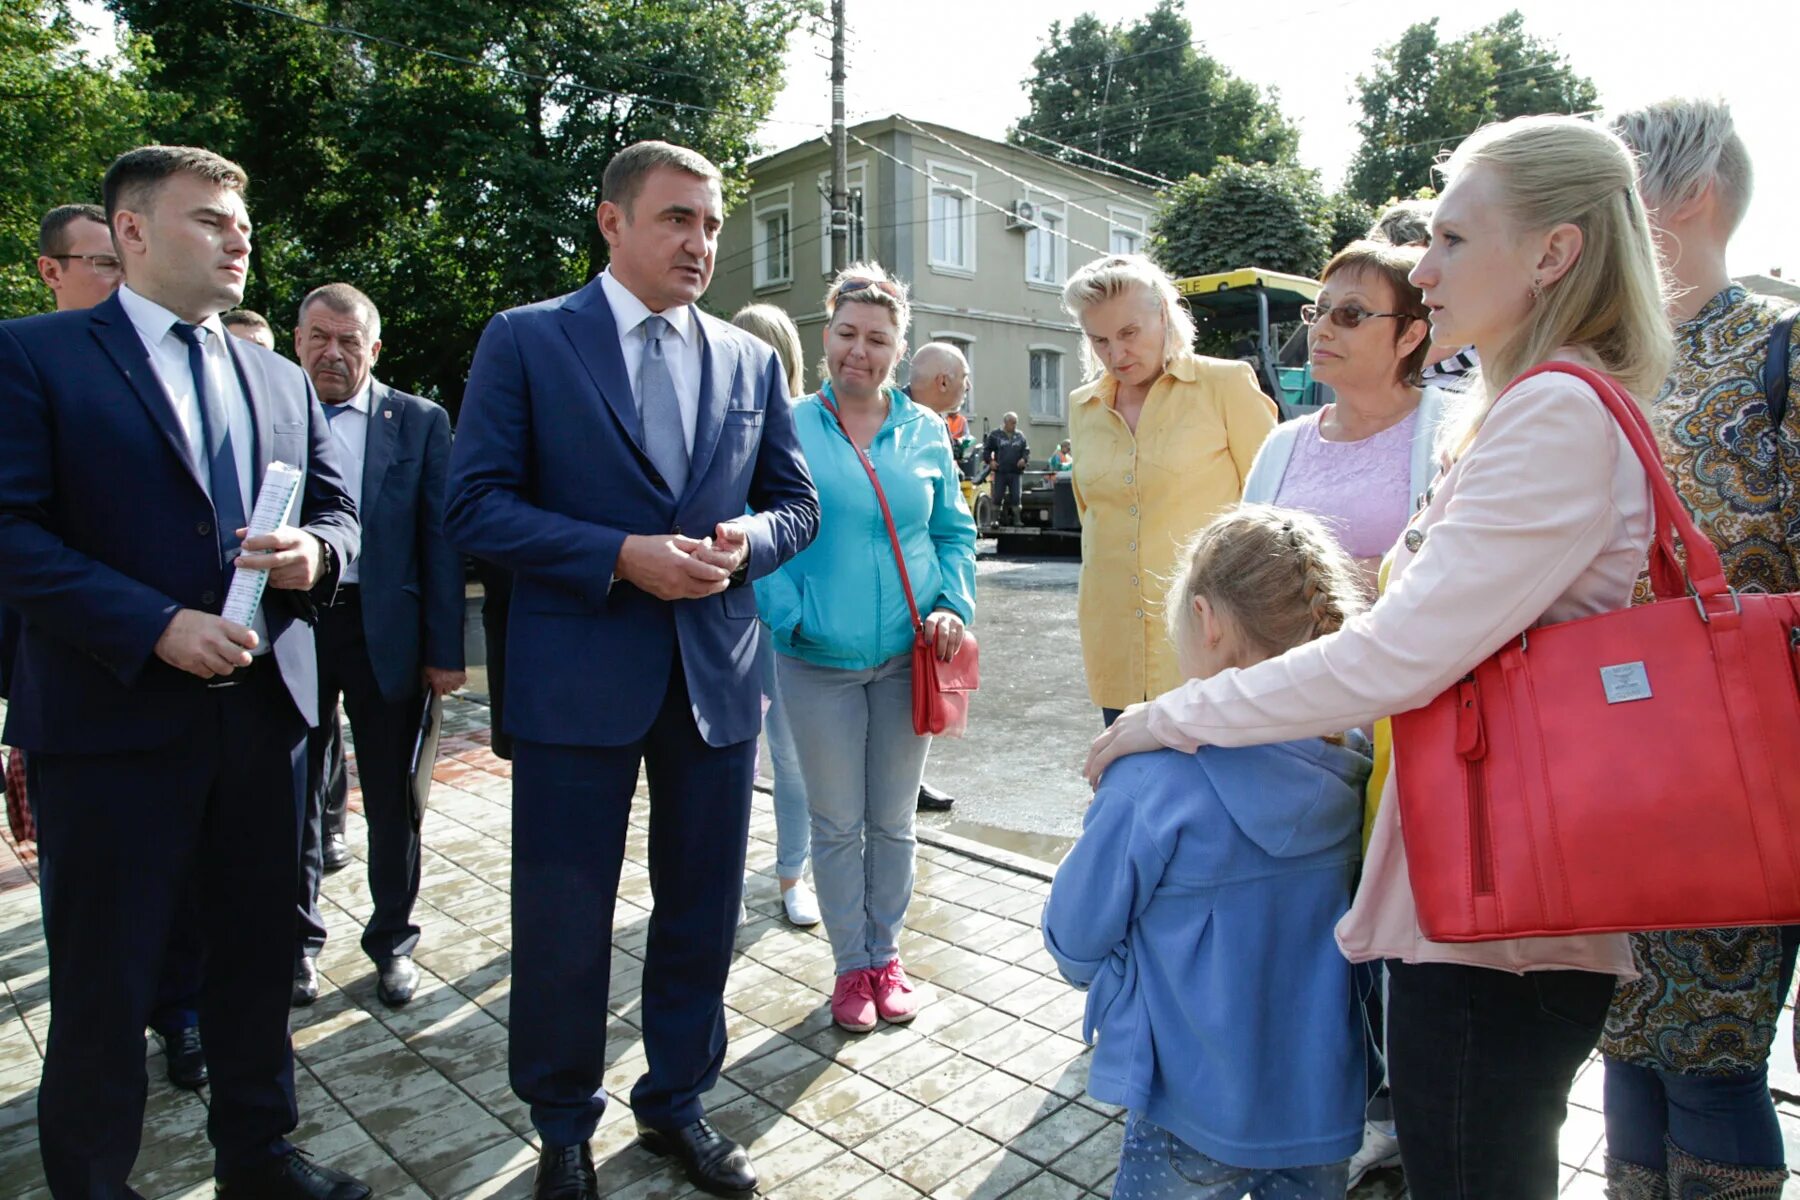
(771, 221)
(951, 217)
(1048, 401)
(1130, 230)
(1047, 243)
(856, 180)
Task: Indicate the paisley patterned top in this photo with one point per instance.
(1706, 1000)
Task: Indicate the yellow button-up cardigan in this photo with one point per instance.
(1141, 497)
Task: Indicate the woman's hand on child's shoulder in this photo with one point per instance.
(1130, 734)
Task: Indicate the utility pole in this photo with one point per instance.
(840, 148)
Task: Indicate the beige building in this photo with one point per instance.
(984, 233)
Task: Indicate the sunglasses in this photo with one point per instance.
(1346, 316)
(857, 285)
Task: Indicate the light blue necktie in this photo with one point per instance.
(659, 410)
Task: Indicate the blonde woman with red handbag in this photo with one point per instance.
(878, 603)
(1540, 253)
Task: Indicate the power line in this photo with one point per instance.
(1019, 179)
(1158, 179)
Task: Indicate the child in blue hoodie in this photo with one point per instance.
(1197, 907)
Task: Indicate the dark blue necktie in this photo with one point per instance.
(221, 458)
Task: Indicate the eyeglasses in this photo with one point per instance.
(857, 285)
(104, 264)
(1345, 316)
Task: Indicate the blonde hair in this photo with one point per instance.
(882, 290)
(1276, 573)
(1683, 145)
(1555, 170)
(1105, 278)
(773, 326)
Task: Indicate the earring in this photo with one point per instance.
(1537, 290)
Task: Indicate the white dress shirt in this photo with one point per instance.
(349, 425)
(681, 347)
(155, 327)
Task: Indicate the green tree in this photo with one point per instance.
(63, 118)
(448, 162)
(1425, 95)
(1242, 215)
(1344, 219)
(1140, 93)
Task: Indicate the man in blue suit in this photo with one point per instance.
(391, 633)
(610, 444)
(166, 741)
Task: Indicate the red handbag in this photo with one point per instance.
(1634, 770)
(940, 690)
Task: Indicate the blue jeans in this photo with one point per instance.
(1721, 1118)
(862, 763)
(1154, 1164)
(792, 831)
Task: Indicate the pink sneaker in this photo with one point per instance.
(853, 1001)
(894, 997)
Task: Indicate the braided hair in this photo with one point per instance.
(1277, 574)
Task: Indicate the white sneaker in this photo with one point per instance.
(1380, 1149)
(743, 915)
(801, 905)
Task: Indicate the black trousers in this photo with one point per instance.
(1008, 489)
(571, 806)
(333, 782)
(121, 836)
(496, 589)
(1481, 1062)
(384, 731)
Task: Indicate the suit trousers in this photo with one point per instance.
(121, 837)
(383, 731)
(333, 781)
(571, 819)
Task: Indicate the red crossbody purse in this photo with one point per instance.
(1634, 770)
(940, 690)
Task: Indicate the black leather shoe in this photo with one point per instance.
(336, 852)
(565, 1173)
(306, 982)
(397, 981)
(292, 1177)
(713, 1162)
(933, 800)
(186, 1059)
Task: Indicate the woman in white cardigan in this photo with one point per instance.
(1362, 463)
(1540, 251)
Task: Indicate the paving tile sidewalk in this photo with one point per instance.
(982, 1096)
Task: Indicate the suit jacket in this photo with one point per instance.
(409, 576)
(549, 475)
(106, 530)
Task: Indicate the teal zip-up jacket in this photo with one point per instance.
(839, 602)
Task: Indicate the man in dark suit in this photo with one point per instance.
(79, 264)
(599, 431)
(167, 742)
(392, 631)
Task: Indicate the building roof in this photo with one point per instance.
(1769, 285)
(901, 123)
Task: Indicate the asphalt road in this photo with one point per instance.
(1016, 776)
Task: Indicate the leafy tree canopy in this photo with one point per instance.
(1425, 95)
(1141, 93)
(63, 118)
(448, 162)
(1243, 215)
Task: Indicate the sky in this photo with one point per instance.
(962, 63)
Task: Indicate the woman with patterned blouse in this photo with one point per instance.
(1687, 1043)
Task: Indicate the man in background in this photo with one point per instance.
(251, 326)
(390, 634)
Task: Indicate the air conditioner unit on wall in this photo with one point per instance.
(1022, 215)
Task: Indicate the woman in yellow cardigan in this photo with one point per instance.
(1163, 441)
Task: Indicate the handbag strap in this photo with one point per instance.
(1775, 368)
(1702, 573)
(830, 403)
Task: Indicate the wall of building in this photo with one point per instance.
(972, 277)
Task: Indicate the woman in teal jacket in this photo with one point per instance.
(844, 635)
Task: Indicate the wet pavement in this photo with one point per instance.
(983, 1096)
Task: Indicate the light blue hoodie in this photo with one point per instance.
(1197, 909)
(839, 603)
